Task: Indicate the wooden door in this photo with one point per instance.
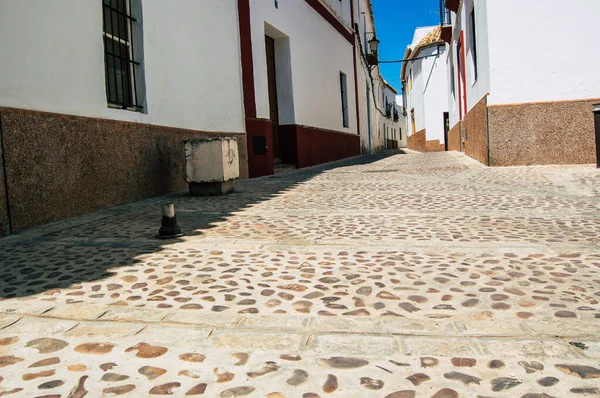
(272, 81)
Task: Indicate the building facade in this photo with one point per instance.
(391, 118)
(97, 96)
(299, 83)
(522, 80)
(424, 78)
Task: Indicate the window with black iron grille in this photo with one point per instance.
(122, 68)
(474, 43)
(344, 91)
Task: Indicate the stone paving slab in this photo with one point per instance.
(319, 283)
(141, 364)
(419, 275)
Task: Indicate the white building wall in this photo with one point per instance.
(434, 77)
(390, 128)
(476, 88)
(402, 136)
(318, 53)
(366, 98)
(53, 60)
(428, 97)
(452, 71)
(415, 96)
(342, 9)
(540, 50)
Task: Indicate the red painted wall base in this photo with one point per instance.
(308, 146)
(259, 164)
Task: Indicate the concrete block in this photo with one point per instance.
(212, 160)
(211, 188)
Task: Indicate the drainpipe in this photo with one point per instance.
(369, 118)
(597, 123)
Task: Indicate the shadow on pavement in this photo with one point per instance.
(87, 248)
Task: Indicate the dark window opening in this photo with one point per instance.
(452, 82)
(119, 54)
(259, 145)
(474, 44)
(344, 90)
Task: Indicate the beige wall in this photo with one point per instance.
(61, 166)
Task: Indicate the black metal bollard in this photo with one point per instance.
(169, 228)
(597, 123)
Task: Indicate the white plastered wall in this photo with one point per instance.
(476, 88)
(391, 128)
(366, 98)
(543, 50)
(434, 77)
(318, 54)
(342, 9)
(429, 95)
(403, 137)
(53, 60)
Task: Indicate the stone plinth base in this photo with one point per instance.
(211, 188)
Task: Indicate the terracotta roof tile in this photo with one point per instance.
(432, 37)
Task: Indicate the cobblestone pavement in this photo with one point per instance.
(397, 276)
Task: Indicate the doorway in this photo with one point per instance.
(273, 103)
(446, 129)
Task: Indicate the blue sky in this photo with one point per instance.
(396, 21)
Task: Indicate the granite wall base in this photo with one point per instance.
(474, 132)
(4, 218)
(454, 138)
(542, 133)
(59, 166)
(434, 146)
(417, 141)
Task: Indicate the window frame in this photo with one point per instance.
(122, 82)
(344, 98)
(473, 46)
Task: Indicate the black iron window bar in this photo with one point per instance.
(119, 54)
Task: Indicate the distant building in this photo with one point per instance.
(523, 76)
(425, 81)
(392, 120)
(299, 82)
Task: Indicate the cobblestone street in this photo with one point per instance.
(396, 276)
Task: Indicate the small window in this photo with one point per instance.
(474, 44)
(452, 82)
(344, 91)
(122, 72)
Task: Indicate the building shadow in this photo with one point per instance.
(93, 247)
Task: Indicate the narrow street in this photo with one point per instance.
(398, 276)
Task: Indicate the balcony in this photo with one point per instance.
(452, 5)
(446, 24)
